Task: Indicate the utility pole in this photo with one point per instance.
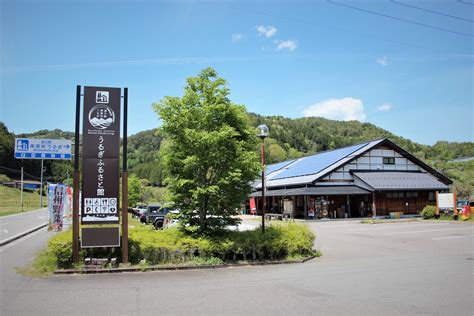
(125, 181)
(75, 209)
(21, 194)
(41, 185)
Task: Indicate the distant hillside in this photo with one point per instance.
(289, 138)
(314, 134)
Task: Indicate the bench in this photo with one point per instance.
(271, 216)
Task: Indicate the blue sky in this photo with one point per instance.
(292, 58)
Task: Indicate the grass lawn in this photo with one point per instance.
(10, 201)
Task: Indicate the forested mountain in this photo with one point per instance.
(289, 138)
(143, 155)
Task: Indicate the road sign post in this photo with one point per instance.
(40, 148)
(21, 185)
(41, 185)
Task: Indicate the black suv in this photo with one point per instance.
(155, 214)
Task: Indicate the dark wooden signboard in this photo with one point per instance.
(100, 237)
(100, 156)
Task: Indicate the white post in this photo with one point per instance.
(21, 194)
(41, 185)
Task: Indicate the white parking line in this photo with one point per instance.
(396, 226)
(335, 225)
(452, 237)
(427, 231)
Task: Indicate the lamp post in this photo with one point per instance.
(263, 133)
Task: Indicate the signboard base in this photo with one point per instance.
(100, 237)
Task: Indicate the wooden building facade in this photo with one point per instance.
(364, 180)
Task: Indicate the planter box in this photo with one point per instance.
(394, 215)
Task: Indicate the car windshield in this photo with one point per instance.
(461, 203)
(154, 209)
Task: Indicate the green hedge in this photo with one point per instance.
(280, 241)
(171, 245)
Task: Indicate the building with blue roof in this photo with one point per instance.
(373, 178)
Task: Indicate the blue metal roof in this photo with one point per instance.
(277, 166)
(314, 164)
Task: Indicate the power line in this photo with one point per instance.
(352, 31)
(431, 11)
(465, 2)
(19, 172)
(400, 19)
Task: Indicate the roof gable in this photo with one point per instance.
(308, 170)
(315, 163)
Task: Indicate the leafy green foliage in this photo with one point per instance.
(172, 246)
(144, 159)
(4, 178)
(280, 241)
(60, 247)
(135, 190)
(210, 160)
(6, 146)
(462, 173)
(428, 212)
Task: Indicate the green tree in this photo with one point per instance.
(6, 146)
(135, 190)
(210, 159)
(276, 154)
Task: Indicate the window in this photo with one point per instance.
(388, 160)
(395, 195)
(412, 194)
(431, 196)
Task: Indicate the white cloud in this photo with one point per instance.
(382, 61)
(267, 31)
(289, 45)
(384, 107)
(346, 109)
(237, 37)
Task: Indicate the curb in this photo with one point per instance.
(177, 268)
(24, 213)
(18, 236)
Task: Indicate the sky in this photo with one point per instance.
(405, 66)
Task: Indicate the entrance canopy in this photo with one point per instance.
(399, 180)
(320, 190)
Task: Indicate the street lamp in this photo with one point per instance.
(263, 133)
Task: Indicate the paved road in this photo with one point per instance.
(416, 268)
(12, 225)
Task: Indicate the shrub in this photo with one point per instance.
(4, 178)
(280, 241)
(428, 212)
(60, 247)
(172, 245)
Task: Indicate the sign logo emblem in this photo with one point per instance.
(101, 116)
(22, 144)
(102, 97)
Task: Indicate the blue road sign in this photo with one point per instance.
(33, 148)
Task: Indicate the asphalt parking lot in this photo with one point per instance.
(414, 268)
